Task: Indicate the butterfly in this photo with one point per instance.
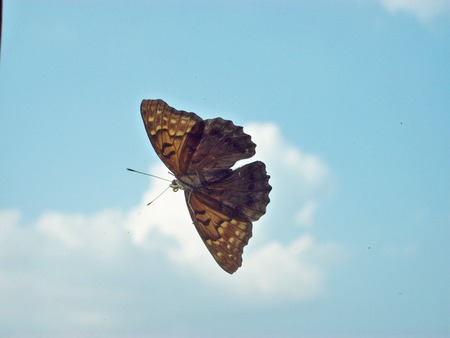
(222, 202)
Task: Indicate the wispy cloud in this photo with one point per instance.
(300, 180)
(70, 248)
(423, 9)
(306, 214)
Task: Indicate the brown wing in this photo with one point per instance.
(222, 144)
(245, 191)
(224, 236)
(223, 211)
(173, 134)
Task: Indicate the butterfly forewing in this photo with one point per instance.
(224, 236)
(222, 202)
(174, 134)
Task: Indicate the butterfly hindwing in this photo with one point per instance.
(222, 144)
(245, 191)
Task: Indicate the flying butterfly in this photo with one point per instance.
(222, 202)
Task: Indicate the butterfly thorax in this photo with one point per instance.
(186, 182)
(198, 180)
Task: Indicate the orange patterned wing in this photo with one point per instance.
(223, 212)
(174, 134)
(224, 236)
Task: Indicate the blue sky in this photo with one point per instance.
(349, 105)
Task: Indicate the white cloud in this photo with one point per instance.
(292, 272)
(65, 249)
(274, 267)
(306, 214)
(297, 171)
(101, 233)
(423, 9)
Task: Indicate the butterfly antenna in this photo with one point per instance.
(157, 196)
(140, 172)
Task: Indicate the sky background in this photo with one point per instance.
(349, 104)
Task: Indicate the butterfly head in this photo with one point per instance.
(176, 185)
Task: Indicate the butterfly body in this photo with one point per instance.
(222, 202)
